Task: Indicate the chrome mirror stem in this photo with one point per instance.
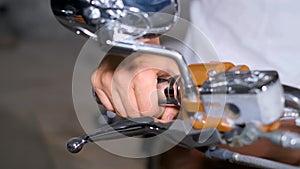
(189, 88)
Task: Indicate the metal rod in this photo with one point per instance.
(189, 88)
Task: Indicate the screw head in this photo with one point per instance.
(297, 121)
(198, 116)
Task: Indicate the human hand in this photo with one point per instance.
(129, 86)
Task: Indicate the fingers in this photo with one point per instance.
(105, 101)
(169, 114)
(98, 78)
(135, 98)
(138, 96)
(130, 90)
(145, 92)
(124, 99)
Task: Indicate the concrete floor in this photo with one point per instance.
(37, 114)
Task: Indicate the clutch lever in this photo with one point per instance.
(125, 127)
(179, 131)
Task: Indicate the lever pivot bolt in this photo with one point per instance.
(297, 121)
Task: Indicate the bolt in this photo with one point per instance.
(211, 72)
(297, 121)
(198, 116)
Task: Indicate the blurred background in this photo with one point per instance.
(37, 57)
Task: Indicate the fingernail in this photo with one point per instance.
(170, 117)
